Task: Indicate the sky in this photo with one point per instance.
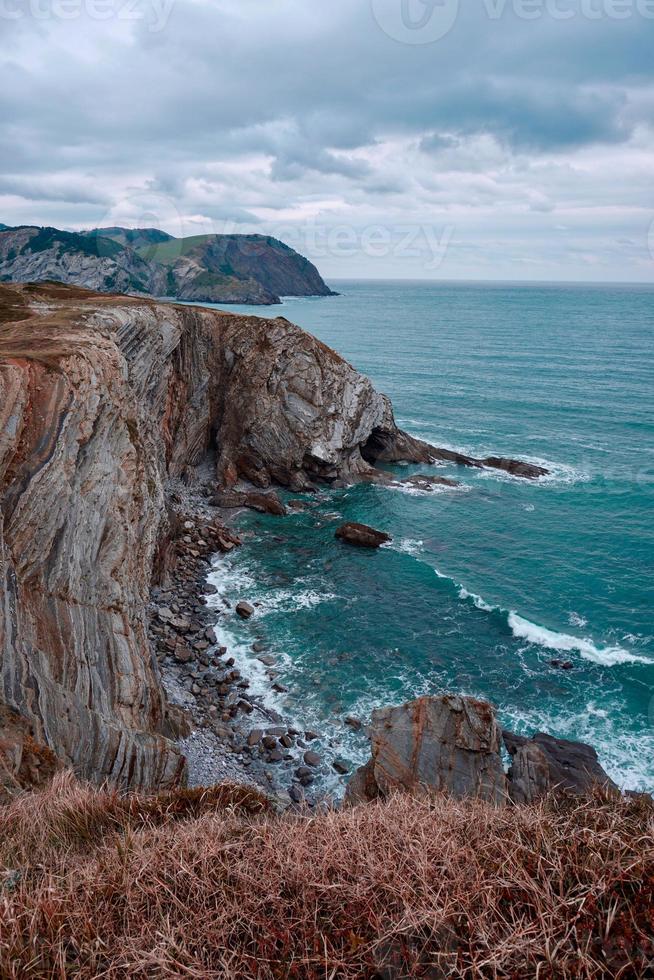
(424, 139)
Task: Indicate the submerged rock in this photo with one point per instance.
(423, 482)
(362, 535)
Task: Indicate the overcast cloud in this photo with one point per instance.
(519, 144)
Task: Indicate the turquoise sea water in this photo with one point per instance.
(482, 586)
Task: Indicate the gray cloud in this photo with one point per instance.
(275, 113)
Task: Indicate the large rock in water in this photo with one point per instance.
(543, 763)
(362, 535)
(106, 402)
(453, 743)
(435, 743)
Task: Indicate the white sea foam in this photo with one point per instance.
(434, 490)
(576, 620)
(477, 600)
(293, 599)
(563, 643)
(408, 546)
(524, 629)
(559, 474)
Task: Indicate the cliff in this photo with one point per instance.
(235, 268)
(106, 402)
(206, 268)
(30, 254)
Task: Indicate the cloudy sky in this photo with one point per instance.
(478, 139)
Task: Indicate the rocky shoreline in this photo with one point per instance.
(225, 731)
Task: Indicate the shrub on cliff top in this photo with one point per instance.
(214, 885)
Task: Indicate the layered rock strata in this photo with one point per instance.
(453, 743)
(103, 402)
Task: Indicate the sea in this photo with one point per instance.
(482, 586)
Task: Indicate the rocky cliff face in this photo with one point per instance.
(37, 254)
(236, 268)
(103, 402)
(205, 268)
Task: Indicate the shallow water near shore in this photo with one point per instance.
(482, 586)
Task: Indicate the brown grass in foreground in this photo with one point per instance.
(201, 885)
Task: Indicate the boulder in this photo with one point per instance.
(435, 743)
(245, 610)
(264, 503)
(544, 763)
(362, 535)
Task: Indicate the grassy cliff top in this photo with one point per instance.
(213, 884)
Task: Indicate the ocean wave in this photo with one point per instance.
(524, 629)
(564, 643)
(477, 600)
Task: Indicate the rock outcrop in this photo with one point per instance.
(24, 762)
(544, 763)
(453, 743)
(105, 403)
(361, 535)
(440, 743)
(264, 503)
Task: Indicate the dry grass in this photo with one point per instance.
(214, 885)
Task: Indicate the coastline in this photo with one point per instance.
(232, 733)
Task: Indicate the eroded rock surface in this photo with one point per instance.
(104, 402)
(441, 743)
(25, 763)
(264, 503)
(453, 743)
(544, 763)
